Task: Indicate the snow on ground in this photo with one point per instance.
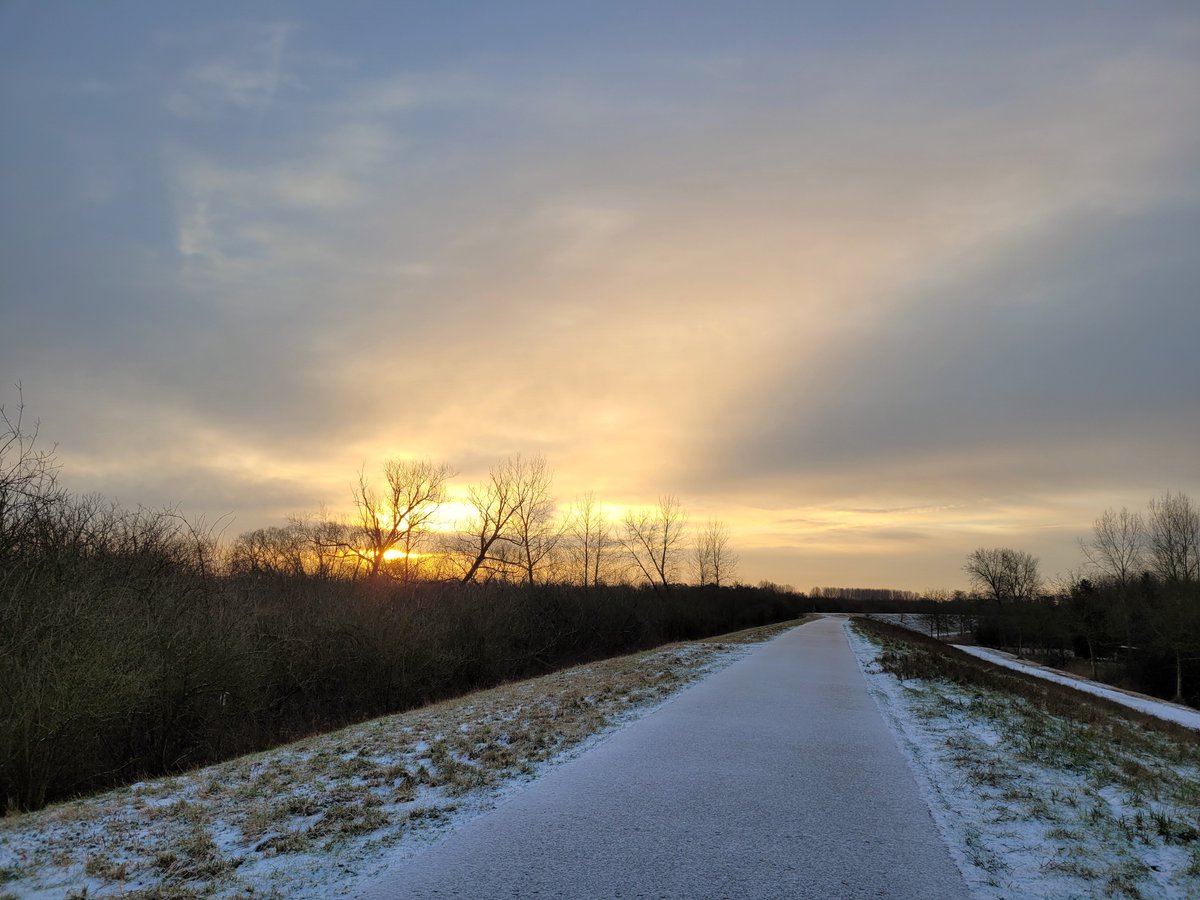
(1161, 709)
(322, 815)
(1038, 805)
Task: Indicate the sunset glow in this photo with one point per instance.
(871, 288)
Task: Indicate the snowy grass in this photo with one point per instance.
(1040, 791)
(322, 815)
(1173, 712)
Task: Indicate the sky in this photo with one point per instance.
(874, 283)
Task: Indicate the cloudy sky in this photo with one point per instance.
(875, 283)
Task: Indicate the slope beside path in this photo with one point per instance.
(1161, 709)
(774, 777)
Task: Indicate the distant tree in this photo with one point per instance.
(713, 559)
(28, 478)
(1088, 606)
(396, 517)
(589, 541)
(327, 540)
(510, 526)
(277, 550)
(653, 541)
(1171, 619)
(1173, 537)
(1004, 574)
(1117, 545)
(534, 531)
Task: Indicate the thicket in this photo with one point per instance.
(126, 659)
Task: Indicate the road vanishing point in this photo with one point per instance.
(774, 777)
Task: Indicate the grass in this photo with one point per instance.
(1082, 796)
(302, 819)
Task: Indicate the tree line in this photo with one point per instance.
(885, 595)
(1131, 610)
(514, 532)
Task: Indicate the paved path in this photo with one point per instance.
(775, 777)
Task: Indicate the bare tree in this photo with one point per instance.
(535, 533)
(1004, 573)
(1173, 611)
(327, 539)
(713, 560)
(273, 550)
(396, 518)
(1117, 545)
(1173, 537)
(589, 535)
(653, 540)
(512, 525)
(28, 476)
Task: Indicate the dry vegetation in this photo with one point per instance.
(1045, 791)
(136, 644)
(324, 811)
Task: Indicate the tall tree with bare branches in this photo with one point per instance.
(396, 517)
(653, 541)
(1004, 573)
(589, 535)
(28, 476)
(1173, 537)
(1117, 547)
(713, 559)
(511, 528)
(1173, 608)
(535, 531)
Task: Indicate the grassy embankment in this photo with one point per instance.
(1050, 791)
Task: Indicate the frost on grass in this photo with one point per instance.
(1040, 797)
(315, 817)
(1172, 712)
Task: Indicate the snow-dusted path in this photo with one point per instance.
(775, 777)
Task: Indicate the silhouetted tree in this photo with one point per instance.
(589, 540)
(511, 509)
(713, 559)
(1173, 537)
(1117, 545)
(1004, 574)
(653, 541)
(535, 533)
(396, 517)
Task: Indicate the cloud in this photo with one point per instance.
(1051, 366)
(247, 79)
(697, 286)
(850, 289)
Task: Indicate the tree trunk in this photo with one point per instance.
(1178, 676)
